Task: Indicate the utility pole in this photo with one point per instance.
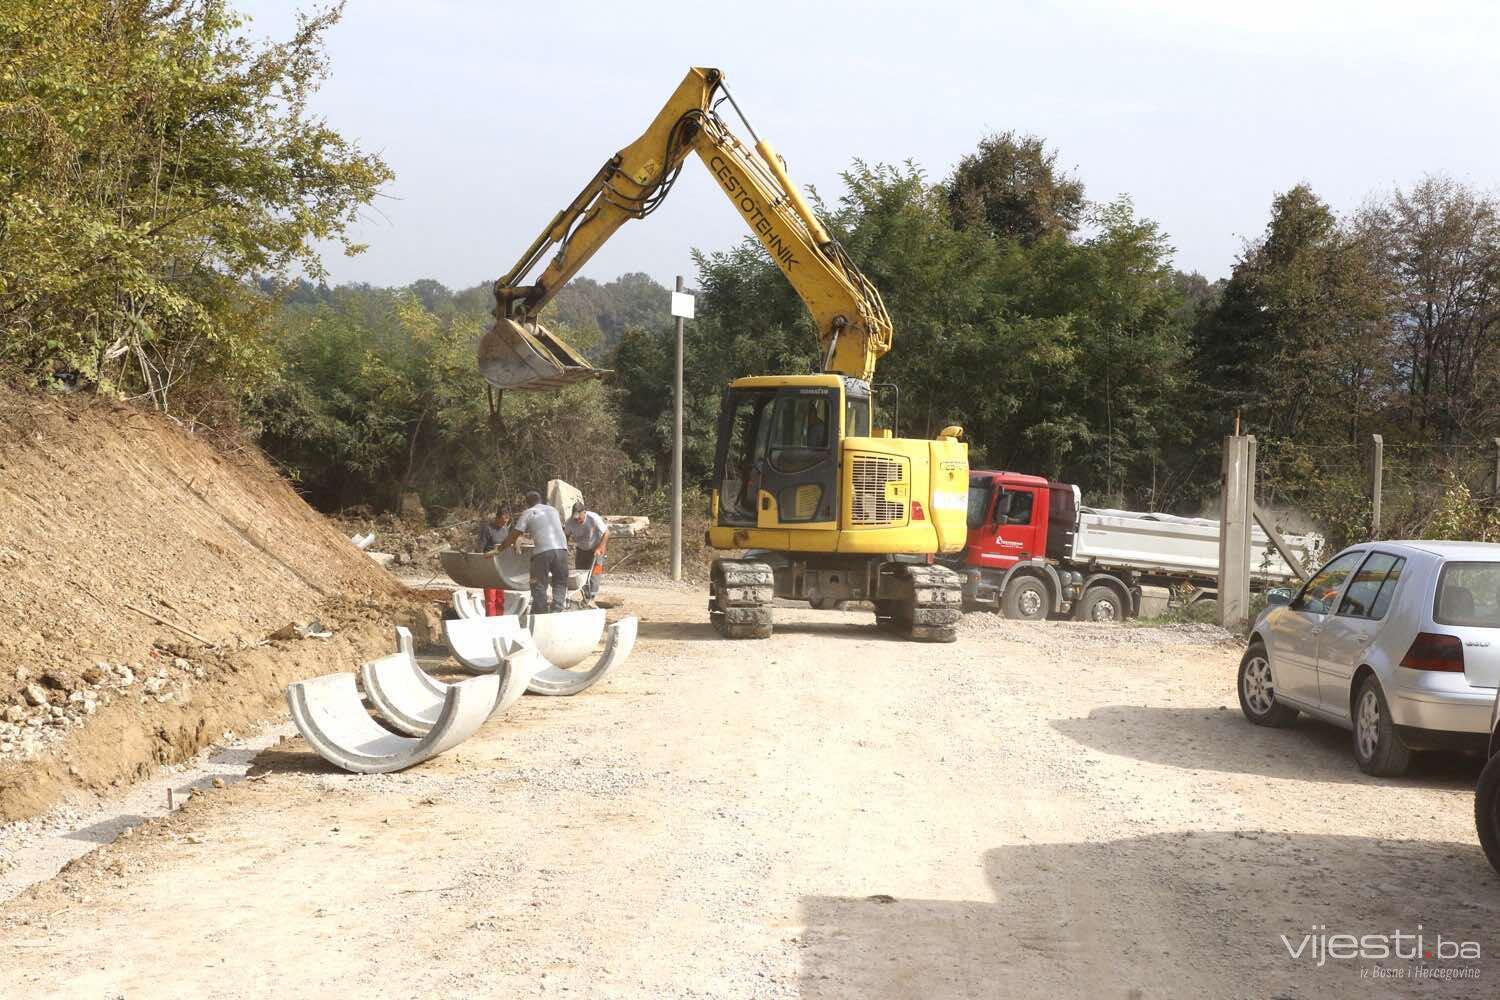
(682, 308)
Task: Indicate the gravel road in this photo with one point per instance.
(1041, 810)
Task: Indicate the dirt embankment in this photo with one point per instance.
(145, 572)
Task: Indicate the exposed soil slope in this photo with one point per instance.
(110, 515)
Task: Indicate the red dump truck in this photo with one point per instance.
(1034, 551)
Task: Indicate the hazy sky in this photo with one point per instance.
(494, 115)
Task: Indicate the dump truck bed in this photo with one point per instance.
(1161, 544)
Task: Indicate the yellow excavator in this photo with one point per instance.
(824, 507)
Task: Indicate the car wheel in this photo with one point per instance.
(1378, 748)
(1487, 811)
(1258, 690)
(1026, 599)
(1100, 604)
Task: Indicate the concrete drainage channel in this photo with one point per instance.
(33, 851)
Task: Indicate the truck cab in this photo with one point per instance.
(1015, 518)
(1019, 526)
(1007, 518)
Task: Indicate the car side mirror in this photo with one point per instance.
(1278, 597)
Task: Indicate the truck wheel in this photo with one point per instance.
(1026, 599)
(1100, 604)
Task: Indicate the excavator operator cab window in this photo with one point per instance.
(742, 433)
(778, 450)
(856, 417)
(800, 432)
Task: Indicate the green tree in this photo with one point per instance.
(1437, 247)
(153, 161)
(1295, 340)
(1012, 186)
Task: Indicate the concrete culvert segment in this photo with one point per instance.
(550, 679)
(411, 700)
(472, 640)
(329, 714)
(474, 569)
(566, 638)
(470, 603)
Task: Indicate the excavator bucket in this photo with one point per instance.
(529, 358)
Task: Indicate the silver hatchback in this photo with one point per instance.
(1397, 641)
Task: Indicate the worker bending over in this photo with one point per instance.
(588, 531)
(549, 554)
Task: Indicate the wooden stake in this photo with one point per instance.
(162, 621)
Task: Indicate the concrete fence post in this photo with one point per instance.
(1237, 494)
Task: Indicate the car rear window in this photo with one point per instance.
(1468, 593)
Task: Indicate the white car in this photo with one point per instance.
(1397, 641)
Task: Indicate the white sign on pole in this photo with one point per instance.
(682, 305)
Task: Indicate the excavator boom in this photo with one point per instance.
(854, 329)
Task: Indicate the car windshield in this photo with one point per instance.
(1468, 593)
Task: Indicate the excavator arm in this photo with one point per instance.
(854, 329)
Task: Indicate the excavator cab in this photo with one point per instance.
(777, 462)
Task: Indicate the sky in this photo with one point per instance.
(494, 115)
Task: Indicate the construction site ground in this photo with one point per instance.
(1041, 810)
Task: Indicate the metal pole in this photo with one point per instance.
(677, 454)
(1377, 473)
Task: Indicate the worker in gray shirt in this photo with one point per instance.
(589, 532)
(549, 554)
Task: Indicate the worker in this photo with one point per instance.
(587, 530)
(549, 553)
(492, 534)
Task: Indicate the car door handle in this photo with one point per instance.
(1362, 637)
(1316, 631)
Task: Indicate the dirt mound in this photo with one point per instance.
(143, 567)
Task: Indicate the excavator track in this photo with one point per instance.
(930, 608)
(739, 601)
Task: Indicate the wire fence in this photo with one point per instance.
(1425, 491)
